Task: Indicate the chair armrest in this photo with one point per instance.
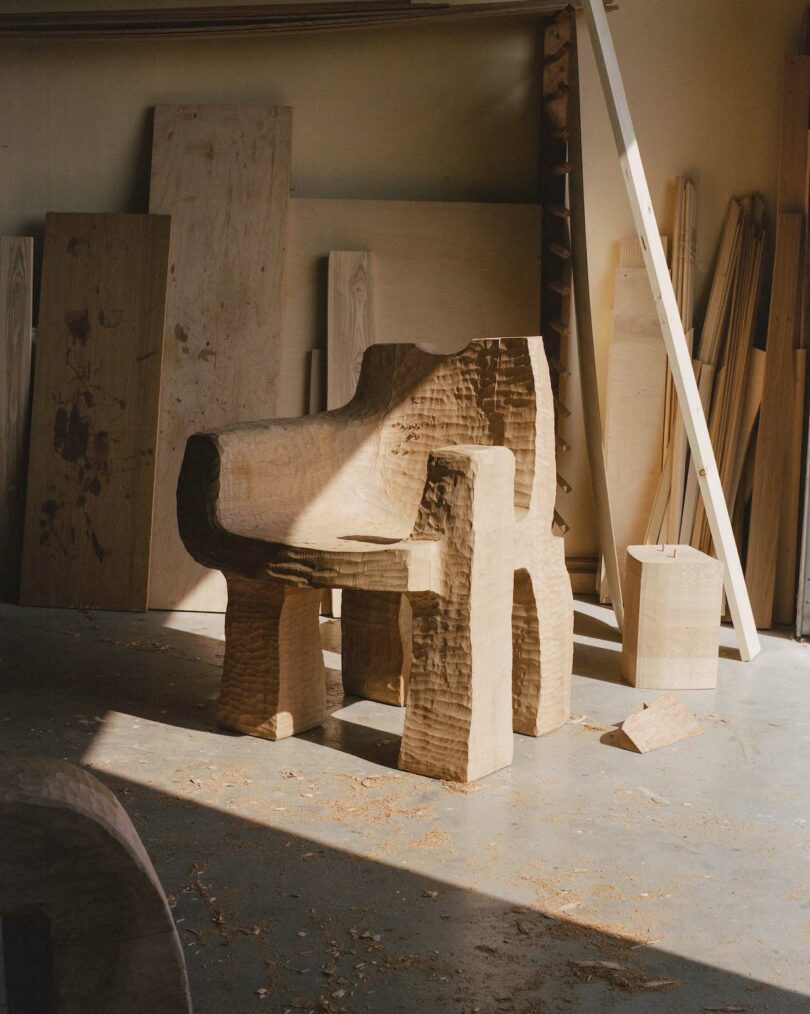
(255, 480)
(469, 490)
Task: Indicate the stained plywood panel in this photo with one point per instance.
(95, 405)
(444, 272)
(16, 283)
(223, 174)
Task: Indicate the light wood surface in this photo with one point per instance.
(223, 174)
(350, 322)
(585, 344)
(775, 419)
(69, 853)
(350, 331)
(672, 328)
(95, 408)
(662, 722)
(749, 415)
(784, 599)
(403, 490)
(16, 292)
(636, 386)
(705, 381)
(672, 628)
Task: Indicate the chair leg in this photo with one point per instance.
(458, 722)
(375, 634)
(542, 641)
(273, 680)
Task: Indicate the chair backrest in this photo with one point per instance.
(495, 392)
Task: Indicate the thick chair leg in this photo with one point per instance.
(458, 722)
(375, 634)
(273, 680)
(542, 640)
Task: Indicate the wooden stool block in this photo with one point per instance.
(673, 599)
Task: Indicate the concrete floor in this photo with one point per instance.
(311, 875)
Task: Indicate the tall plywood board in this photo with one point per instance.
(95, 405)
(636, 405)
(16, 285)
(223, 174)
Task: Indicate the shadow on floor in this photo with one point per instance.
(324, 929)
(327, 917)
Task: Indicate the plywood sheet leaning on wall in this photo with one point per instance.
(16, 285)
(95, 405)
(637, 374)
(223, 174)
(444, 272)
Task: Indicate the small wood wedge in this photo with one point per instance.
(662, 722)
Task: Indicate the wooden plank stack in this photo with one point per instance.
(726, 346)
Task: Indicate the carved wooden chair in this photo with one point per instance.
(437, 481)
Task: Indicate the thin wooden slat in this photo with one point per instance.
(680, 451)
(784, 600)
(773, 434)
(720, 294)
(16, 288)
(672, 328)
(735, 343)
(350, 322)
(223, 174)
(585, 348)
(652, 535)
(683, 261)
(704, 373)
(95, 407)
(748, 417)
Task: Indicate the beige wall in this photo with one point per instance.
(445, 113)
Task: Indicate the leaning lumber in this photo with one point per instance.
(784, 602)
(733, 348)
(774, 421)
(671, 327)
